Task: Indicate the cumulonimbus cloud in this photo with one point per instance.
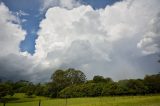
(100, 41)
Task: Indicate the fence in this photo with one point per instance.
(61, 102)
(5, 103)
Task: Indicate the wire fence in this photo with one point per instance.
(62, 102)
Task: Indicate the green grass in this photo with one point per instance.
(97, 101)
(21, 97)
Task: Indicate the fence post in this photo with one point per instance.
(66, 101)
(39, 102)
(4, 104)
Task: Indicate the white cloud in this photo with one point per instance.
(69, 4)
(150, 44)
(14, 64)
(21, 13)
(97, 41)
(23, 20)
(10, 34)
(83, 37)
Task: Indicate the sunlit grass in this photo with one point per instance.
(97, 101)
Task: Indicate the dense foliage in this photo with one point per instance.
(6, 89)
(72, 83)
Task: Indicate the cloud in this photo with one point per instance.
(23, 20)
(15, 65)
(100, 41)
(150, 44)
(69, 4)
(11, 33)
(89, 39)
(21, 13)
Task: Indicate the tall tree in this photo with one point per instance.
(64, 78)
(74, 76)
(68, 77)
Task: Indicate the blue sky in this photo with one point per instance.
(34, 16)
(30, 7)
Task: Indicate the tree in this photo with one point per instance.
(6, 89)
(65, 78)
(52, 89)
(82, 90)
(21, 86)
(136, 86)
(3, 90)
(58, 77)
(98, 79)
(30, 90)
(110, 89)
(109, 80)
(74, 76)
(153, 83)
(10, 86)
(132, 87)
(39, 90)
(68, 77)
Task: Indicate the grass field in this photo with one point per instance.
(21, 100)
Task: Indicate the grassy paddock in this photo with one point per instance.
(97, 101)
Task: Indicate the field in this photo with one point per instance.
(21, 100)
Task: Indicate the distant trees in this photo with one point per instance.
(73, 83)
(30, 89)
(153, 83)
(3, 90)
(21, 86)
(39, 89)
(6, 89)
(101, 86)
(98, 79)
(132, 87)
(82, 90)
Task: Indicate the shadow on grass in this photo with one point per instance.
(30, 97)
(17, 100)
(2, 100)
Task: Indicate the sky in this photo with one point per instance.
(113, 38)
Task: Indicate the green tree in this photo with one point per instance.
(98, 79)
(10, 86)
(73, 76)
(3, 90)
(6, 89)
(110, 89)
(30, 89)
(21, 86)
(153, 83)
(68, 77)
(39, 90)
(65, 78)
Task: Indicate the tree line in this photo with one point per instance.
(73, 83)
